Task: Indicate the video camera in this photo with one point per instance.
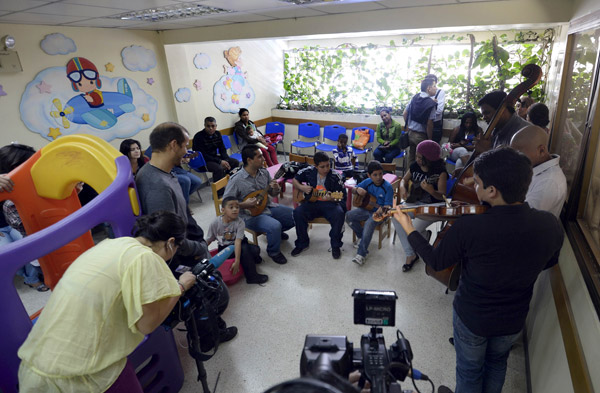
(331, 359)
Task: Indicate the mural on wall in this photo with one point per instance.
(106, 107)
(202, 61)
(138, 58)
(58, 44)
(183, 94)
(232, 91)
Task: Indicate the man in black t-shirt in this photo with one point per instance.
(209, 142)
(502, 252)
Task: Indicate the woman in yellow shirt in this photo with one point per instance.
(107, 300)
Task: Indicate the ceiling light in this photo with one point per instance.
(302, 2)
(158, 14)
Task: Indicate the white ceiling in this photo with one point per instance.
(95, 13)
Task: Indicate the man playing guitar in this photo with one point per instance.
(275, 219)
(328, 188)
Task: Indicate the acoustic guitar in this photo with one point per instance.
(316, 194)
(367, 201)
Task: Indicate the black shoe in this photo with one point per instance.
(258, 260)
(443, 389)
(279, 258)
(451, 340)
(297, 250)
(408, 266)
(227, 334)
(259, 279)
(284, 236)
(336, 253)
(428, 235)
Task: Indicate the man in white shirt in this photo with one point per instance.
(548, 188)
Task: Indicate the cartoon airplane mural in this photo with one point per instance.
(94, 107)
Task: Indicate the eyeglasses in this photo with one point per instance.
(76, 76)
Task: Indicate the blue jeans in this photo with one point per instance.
(480, 361)
(188, 181)
(8, 235)
(332, 211)
(280, 220)
(365, 233)
(420, 226)
(32, 274)
(386, 155)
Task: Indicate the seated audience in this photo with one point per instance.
(209, 142)
(189, 182)
(428, 175)
(343, 155)
(228, 229)
(104, 304)
(462, 139)
(501, 252)
(318, 182)
(539, 115)
(133, 150)
(11, 225)
(388, 136)
(248, 134)
(373, 187)
(274, 219)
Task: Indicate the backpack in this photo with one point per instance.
(361, 138)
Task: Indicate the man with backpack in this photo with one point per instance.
(419, 116)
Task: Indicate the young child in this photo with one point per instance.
(343, 155)
(11, 226)
(381, 189)
(228, 229)
(429, 176)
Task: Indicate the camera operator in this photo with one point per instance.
(104, 304)
(159, 189)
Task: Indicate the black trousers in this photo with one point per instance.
(249, 257)
(437, 131)
(217, 170)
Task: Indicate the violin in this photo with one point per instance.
(451, 211)
(466, 193)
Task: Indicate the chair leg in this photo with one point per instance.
(380, 230)
(199, 196)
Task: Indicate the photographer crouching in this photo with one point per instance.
(107, 300)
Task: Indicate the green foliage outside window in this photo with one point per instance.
(352, 79)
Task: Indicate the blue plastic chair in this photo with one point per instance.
(367, 149)
(309, 131)
(227, 143)
(330, 133)
(275, 127)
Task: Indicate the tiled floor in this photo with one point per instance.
(311, 294)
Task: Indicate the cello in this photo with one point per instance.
(463, 189)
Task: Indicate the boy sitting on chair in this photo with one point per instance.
(324, 196)
(228, 229)
(343, 155)
(380, 197)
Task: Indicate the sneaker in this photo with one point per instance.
(356, 242)
(279, 258)
(297, 250)
(227, 334)
(336, 253)
(359, 259)
(259, 279)
(284, 236)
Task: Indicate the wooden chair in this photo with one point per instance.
(384, 229)
(297, 158)
(221, 184)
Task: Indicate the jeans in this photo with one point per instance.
(420, 226)
(332, 211)
(480, 361)
(386, 155)
(458, 153)
(280, 220)
(32, 274)
(354, 218)
(9, 234)
(188, 181)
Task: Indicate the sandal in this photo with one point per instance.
(408, 266)
(40, 288)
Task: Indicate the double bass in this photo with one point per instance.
(463, 189)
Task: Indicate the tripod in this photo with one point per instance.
(195, 352)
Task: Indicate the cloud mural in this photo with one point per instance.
(138, 58)
(233, 91)
(46, 113)
(202, 61)
(183, 94)
(58, 44)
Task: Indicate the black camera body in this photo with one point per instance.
(332, 358)
(192, 299)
